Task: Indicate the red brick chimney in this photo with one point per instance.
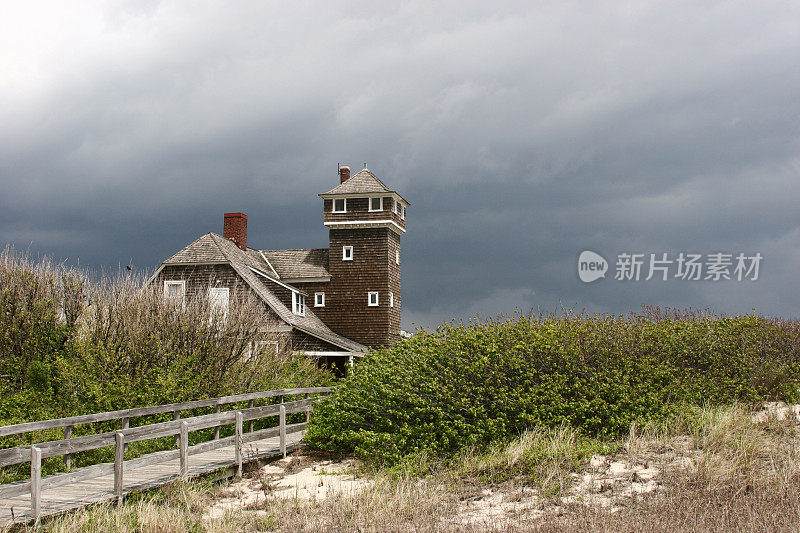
(344, 174)
(235, 229)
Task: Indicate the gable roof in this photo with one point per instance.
(298, 264)
(364, 182)
(212, 248)
(202, 250)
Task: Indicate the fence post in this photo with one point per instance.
(68, 456)
(308, 410)
(176, 415)
(238, 444)
(184, 450)
(283, 429)
(36, 482)
(126, 423)
(216, 429)
(250, 404)
(119, 457)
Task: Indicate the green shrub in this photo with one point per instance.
(470, 385)
(71, 345)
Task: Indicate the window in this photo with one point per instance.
(372, 299)
(298, 304)
(391, 299)
(219, 298)
(347, 253)
(257, 348)
(376, 204)
(174, 290)
(319, 299)
(403, 212)
(340, 205)
(397, 257)
(395, 206)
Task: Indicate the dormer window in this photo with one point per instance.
(376, 204)
(298, 304)
(347, 253)
(340, 205)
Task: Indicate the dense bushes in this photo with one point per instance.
(71, 345)
(466, 385)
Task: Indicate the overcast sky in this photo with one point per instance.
(521, 134)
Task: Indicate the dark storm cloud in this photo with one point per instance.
(521, 135)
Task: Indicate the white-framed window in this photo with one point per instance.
(175, 290)
(391, 299)
(260, 347)
(376, 204)
(395, 206)
(347, 253)
(219, 298)
(319, 299)
(372, 299)
(397, 257)
(298, 304)
(340, 205)
(403, 212)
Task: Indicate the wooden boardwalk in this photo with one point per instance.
(81, 493)
(37, 497)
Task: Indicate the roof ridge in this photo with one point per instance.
(167, 260)
(292, 249)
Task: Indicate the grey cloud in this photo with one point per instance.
(521, 135)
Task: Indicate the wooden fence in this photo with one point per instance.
(120, 438)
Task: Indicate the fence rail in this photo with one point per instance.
(120, 438)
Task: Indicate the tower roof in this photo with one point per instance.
(364, 182)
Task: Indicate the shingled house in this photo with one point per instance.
(333, 303)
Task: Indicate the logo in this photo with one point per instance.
(685, 266)
(591, 266)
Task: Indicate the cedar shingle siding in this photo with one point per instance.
(346, 325)
(199, 278)
(358, 209)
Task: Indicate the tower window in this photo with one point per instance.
(340, 205)
(403, 212)
(347, 253)
(395, 206)
(319, 299)
(391, 299)
(298, 304)
(372, 299)
(397, 257)
(376, 204)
